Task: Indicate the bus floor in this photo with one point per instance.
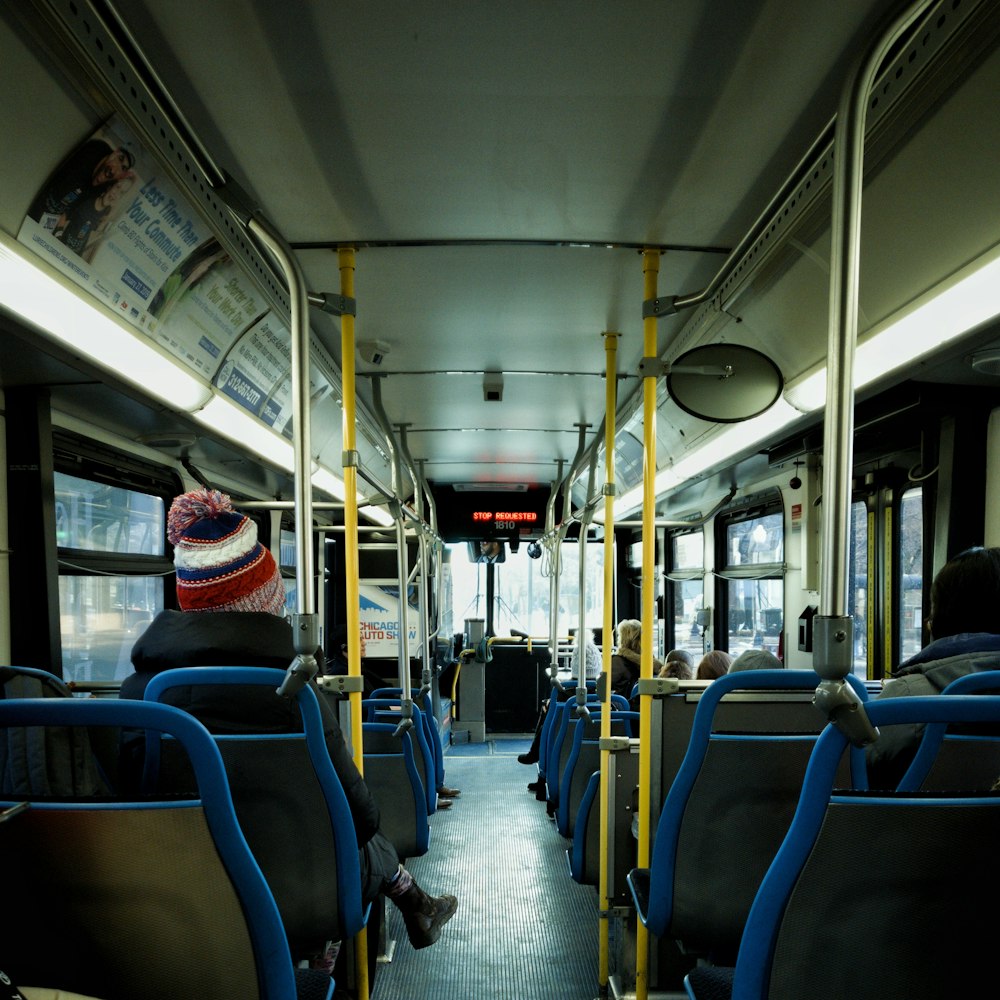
(524, 929)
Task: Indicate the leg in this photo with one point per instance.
(531, 757)
(423, 915)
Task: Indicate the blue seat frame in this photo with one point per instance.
(275, 973)
(395, 780)
(957, 970)
(653, 889)
(937, 740)
(353, 916)
(431, 731)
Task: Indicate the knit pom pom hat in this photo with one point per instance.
(220, 564)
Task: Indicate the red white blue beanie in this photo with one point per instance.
(220, 564)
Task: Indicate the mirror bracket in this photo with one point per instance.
(666, 306)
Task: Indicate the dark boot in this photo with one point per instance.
(531, 757)
(424, 915)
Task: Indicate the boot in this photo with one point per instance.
(424, 915)
(531, 757)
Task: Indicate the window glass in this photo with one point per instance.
(857, 598)
(522, 590)
(689, 615)
(755, 615)
(911, 571)
(755, 604)
(688, 550)
(100, 619)
(98, 517)
(286, 548)
(756, 540)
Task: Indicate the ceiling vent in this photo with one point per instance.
(493, 387)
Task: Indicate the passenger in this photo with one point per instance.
(625, 662)
(232, 604)
(591, 658)
(964, 627)
(679, 663)
(755, 659)
(592, 668)
(713, 664)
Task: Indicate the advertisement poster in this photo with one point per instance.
(110, 219)
(380, 619)
(255, 374)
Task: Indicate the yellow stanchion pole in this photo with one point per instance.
(650, 271)
(610, 403)
(345, 260)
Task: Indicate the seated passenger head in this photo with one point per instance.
(678, 664)
(629, 633)
(220, 565)
(713, 664)
(755, 659)
(965, 595)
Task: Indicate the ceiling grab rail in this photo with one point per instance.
(305, 621)
(423, 607)
(587, 515)
(554, 544)
(650, 275)
(436, 571)
(604, 907)
(402, 574)
(552, 550)
(833, 627)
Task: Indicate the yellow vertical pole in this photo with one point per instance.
(345, 260)
(650, 271)
(610, 403)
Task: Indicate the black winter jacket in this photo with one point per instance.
(245, 639)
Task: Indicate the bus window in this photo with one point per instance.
(910, 545)
(857, 599)
(753, 572)
(111, 567)
(522, 590)
(686, 592)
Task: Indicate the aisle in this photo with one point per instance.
(524, 929)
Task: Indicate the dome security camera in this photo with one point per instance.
(373, 351)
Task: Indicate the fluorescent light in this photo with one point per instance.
(242, 428)
(730, 442)
(377, 514)
(45, 299)
(965, 300)
(324, 479)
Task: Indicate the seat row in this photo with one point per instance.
(731, 760)
(237, 855)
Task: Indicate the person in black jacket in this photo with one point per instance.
(232, 600)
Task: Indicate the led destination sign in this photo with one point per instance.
(491, 514)
(505, 520)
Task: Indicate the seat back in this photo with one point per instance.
(730, 805)
(387, 710)
(901, 888)
(584, 758)
(141, 898)
(672, 717)
(585, 852)
(51, 760)
(958, 756)
(561, 740)
(557, 696)
(431, 731)
(392, 778)
(289, 802)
